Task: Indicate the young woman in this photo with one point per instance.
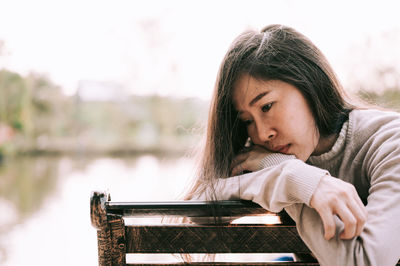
(282, 134)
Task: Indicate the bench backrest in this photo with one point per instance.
(116, 239)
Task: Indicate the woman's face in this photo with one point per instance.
(277, 116)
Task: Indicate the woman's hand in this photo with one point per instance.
(336, 197)
(248, 160)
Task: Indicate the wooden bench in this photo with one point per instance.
(117, 239)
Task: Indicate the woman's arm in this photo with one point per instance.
(330, 197)
(379, 242)
(291, 184)
(334, 197)
(273, 188)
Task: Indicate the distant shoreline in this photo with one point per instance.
(110, 152)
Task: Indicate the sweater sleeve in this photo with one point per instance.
(379, 243)
(274, 187)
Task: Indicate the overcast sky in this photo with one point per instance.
(175, 47)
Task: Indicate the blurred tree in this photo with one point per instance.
(13, 96)
(141, 123)
(35, 108)
(1, 47)
(50, 110)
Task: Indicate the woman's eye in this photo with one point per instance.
(266, 107)
(248, 122)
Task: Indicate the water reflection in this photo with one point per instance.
(25, 182)
(44, 202)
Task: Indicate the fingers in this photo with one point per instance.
(329, 224)
(239, 159)
(353, 223)
(336, 197)
(349, 221)
(356, 217)
(239, 169)
(352, 217)
(248, 160)
(352, 212)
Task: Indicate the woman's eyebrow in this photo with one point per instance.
(258, 97)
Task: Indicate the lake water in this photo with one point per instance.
(44, 202)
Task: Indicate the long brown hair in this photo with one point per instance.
(276, 53)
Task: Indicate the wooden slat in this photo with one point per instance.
(213, 239)
(99, 220)
(186, 208)
(117, 228)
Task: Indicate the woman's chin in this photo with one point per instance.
(303, 157)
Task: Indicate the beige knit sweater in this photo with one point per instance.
(366, 154)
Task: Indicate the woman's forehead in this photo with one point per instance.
(244, 92)
(249, 90)
(246, 88)
(245, 84)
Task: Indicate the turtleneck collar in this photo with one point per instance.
(336, 149)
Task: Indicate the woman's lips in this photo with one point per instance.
(282, 149)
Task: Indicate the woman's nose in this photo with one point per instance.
(265, 133)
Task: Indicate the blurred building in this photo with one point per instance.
(101, 91)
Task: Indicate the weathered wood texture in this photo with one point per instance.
(98, 216)
(115, 239)
(117, 228)
(214, 239)
(110, 231)
(185, 208)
